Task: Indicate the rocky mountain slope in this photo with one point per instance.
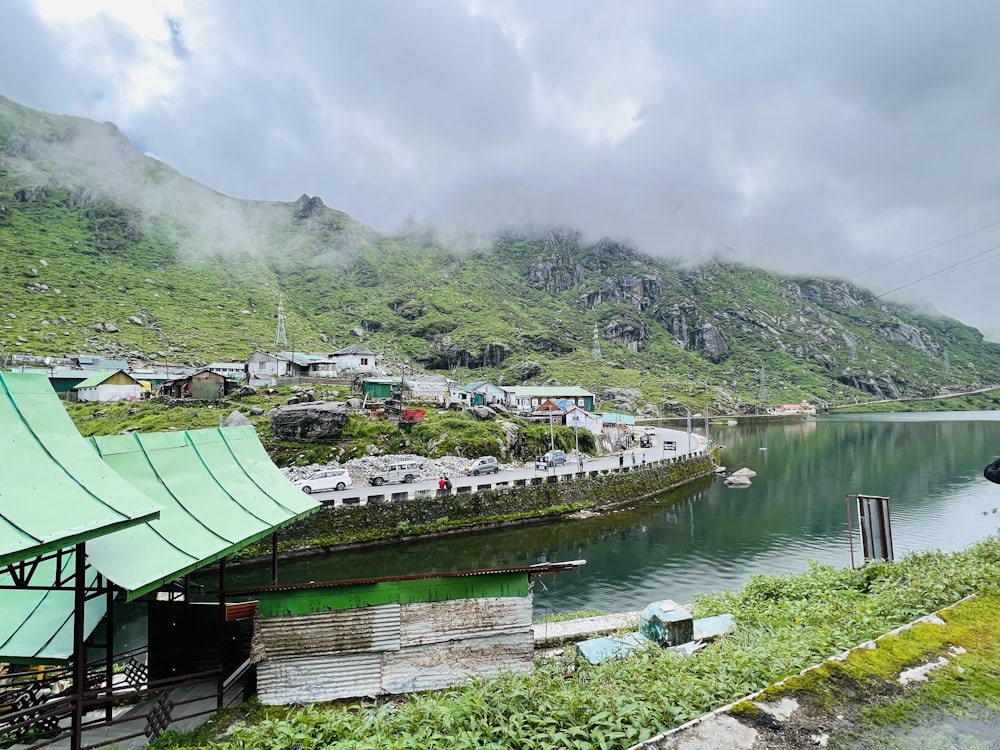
(104, 250)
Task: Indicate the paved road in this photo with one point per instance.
(657, 453)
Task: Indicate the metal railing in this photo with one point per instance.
(37, 708)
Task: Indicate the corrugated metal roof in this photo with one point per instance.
(547, 391)
(53, 494)
(95, 379)
(36, 626)
(219, 491)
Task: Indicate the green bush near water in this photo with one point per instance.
(785, 623)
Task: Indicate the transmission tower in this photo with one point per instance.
(280, 337)
(852, 351)
(763, 395)
(595, 350)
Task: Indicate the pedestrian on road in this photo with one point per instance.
(441, 483)
(633, 459)
(447, 483)
(644, 458)
(621, 460)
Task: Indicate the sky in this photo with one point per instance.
(853, 138)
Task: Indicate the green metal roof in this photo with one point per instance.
(95, 379)
(219, 491)
(53, 494)
(36, 626)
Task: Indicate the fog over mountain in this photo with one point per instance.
(842, 138)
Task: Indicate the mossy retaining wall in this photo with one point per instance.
(351, 525)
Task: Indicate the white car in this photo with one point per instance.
(325, 479)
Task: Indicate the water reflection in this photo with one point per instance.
(707, 536)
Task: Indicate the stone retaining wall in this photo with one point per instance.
(409, 517)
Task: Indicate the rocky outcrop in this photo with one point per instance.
(641, 292)
(630, 334)
(827, 292)
(911, 336)
(310, 422)
(495, 354)
(308, 208)
(684, 323)
(236, 419)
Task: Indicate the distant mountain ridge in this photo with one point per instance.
(94, 235)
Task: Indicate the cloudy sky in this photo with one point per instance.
(852, 138)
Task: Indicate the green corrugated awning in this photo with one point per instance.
(218, 488)
(53, 494)
(36, 626)
(219, 491)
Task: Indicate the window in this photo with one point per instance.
(364, 361)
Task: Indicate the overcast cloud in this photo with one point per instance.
(806, 137)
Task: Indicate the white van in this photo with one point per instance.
(325, 479)
(406, 472)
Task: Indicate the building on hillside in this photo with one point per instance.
(157, 378)
(92, 362)
(235, 371)
(105, 387)
(804, 408)
(354, 358)
(479, 393)
(526, 398)
(617, 426)
(323, 368)
(203, 385)
(550, 411)
(430, 388)
(581, 419)
(383, 387)
(264, 367)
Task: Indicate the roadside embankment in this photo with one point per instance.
(464, 512)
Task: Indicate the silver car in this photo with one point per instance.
(484, 465)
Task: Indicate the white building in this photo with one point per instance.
(229, 370)
(354, 358)
(105, 387)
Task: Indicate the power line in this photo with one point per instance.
(933, 247)
(941, 270)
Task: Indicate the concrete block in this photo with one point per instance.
(667, 623)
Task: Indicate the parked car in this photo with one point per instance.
(324, 480)
(406, 472)
(484, 465)
(555, 458)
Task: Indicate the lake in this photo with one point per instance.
(707, 536)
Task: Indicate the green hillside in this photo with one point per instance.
(106, 251)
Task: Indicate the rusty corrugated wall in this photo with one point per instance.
(389, 648)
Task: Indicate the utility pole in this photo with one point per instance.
(688, 410)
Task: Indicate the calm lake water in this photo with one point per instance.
(707, 536)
